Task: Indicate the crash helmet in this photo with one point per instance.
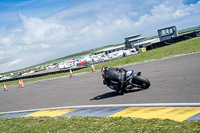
(103, 69)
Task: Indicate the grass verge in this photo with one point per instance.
(95, 124)
(184, 47)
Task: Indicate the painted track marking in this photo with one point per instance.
(50, 113)
(173, 113)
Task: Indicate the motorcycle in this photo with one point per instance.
(131, 81)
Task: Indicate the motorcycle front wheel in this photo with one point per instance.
(143, 82)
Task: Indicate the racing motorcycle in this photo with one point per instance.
(126, 80)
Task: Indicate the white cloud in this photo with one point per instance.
(163, 13)
(16, 61)
(37, 30)
(45, 45)
(6, 40)
(168, 13)
(180, 13)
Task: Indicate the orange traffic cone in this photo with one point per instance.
(71, 74)
(5, 88)
(93, 70)
(22, 84)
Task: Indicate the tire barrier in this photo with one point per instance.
(41, 74)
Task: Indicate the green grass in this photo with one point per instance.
(184, 47)
(95, 124)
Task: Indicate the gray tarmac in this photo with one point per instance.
(173, 80)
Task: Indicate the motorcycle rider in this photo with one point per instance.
(115, 74)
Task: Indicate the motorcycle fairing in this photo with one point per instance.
(129, 73)
(111, 84)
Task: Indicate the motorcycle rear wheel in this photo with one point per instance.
(143, 82)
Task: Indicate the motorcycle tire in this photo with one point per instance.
(142, 81)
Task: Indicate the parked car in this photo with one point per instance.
(32, 71)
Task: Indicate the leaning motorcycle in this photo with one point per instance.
(131, 81)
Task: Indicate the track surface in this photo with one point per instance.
(173, 80)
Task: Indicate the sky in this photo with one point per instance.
(35, 31)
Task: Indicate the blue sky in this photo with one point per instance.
(35, 31)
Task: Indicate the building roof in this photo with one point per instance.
(110, 48)
(135, 39)
(167, 28)
(147, 42)
(133, 36)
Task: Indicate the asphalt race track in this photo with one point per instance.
(173, 80)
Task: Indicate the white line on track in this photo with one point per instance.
(114, 105)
